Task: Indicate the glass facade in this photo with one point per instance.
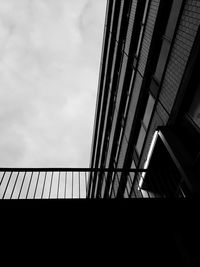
(140, 101)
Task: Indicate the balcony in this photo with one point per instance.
(73, 183)
(43, 183)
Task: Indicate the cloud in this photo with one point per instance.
(49, 66)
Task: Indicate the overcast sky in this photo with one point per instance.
(49, 65)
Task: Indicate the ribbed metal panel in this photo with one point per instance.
(148, 35)
(130, 26)
(183, 43)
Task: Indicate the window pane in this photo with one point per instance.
(140, 140)
(142, 28)
(128, 185)
(145, 11)
(126, 193)
(132, 174)
(103, 186)
(148, 111)
(133, 166)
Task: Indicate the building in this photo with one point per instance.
(146, 140)
(148, 102)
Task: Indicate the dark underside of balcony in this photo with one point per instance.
(158, 232)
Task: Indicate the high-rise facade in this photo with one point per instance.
(148, 102)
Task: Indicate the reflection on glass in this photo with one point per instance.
(140, 140)
(148, 111)
(126, 194)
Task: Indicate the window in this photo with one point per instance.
(119, 144)
(128, 184)
(126, 195)
(103, 185)
(140, 140)
(148, 111)
(142, 27)
(145, 123)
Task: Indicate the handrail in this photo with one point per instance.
(71, 169)
(68, 183)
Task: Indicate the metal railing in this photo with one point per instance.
(70, 183)
(138, 183)
(43, 183)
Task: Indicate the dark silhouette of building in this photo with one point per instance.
(148, 102)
